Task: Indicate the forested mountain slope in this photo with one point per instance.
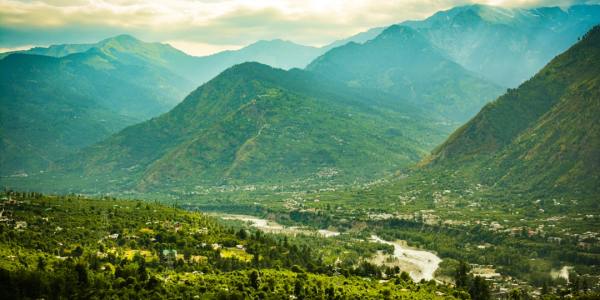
(403, 63)
(255, 124)
(543, 135)
(54, 106)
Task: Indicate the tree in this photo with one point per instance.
(254, 279)
(141, 271)
(82, 273)
(242, 234)
(41, 263)
(330, 292)
(479, 289)
(77, 252)
(299, 289)
(461, 277)
(405, 277)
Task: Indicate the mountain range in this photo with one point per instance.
(401, 62)
(254, 124)
(60, 99)
(51, 107)
(370, 104)
(195, 69)
(491, 41)
(542, 137)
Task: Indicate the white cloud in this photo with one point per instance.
(201, 26)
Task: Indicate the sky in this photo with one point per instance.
(201, 27)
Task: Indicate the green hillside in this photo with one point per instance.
(403, 63)
(255, 124)
(541, 136)
(52, 107)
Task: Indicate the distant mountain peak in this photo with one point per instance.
(248, 66)
(478, 12)
(125, 37)
(122, 38)
(402, 35)
(122, 41)
(398, 29)
(274, 43)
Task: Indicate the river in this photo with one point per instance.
(419, 264)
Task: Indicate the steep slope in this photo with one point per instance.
(254, 124)
(80, 94)
(542, 136)
(54, 106)
(42, 115)
(506, 46)
(403, 63)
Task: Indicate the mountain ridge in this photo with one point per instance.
(254, 124)
(490, 40)
(55, 106)
(552, 144)
(403, 63)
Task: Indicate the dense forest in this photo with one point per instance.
(65, 247)
(60, 247)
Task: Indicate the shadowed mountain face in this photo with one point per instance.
(506, 46)
(195, 69)
(543, 135)
(255, 124)
(403, 63)
(52, 107)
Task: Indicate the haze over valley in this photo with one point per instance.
(446, 153)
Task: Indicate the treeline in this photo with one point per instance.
(70, 247)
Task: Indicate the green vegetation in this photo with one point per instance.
(552, 147)
(58, 100)
(254, 125)
(52, 107)
(402, 62)
(509, 201)
(516, 193)
(72, 247)
(518, 238)
(196, 69)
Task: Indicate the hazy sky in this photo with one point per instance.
(206, 26)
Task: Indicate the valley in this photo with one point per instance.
(418, 264)
(455, 156)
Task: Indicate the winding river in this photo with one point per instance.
(419, 264)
